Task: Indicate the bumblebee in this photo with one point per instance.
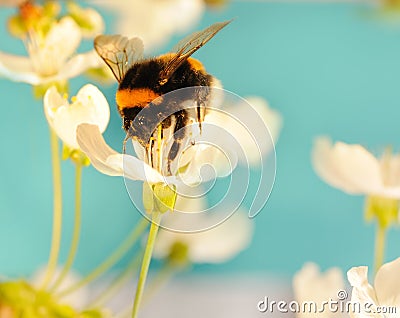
(144, 83)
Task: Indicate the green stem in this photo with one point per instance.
(146, 262)
(379, 246)
(119, 281)
(77, 227)
(112, 259)
(57, 210)
(161, 278)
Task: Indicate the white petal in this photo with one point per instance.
(78, 64)
(309, 284)
(152, 20)
(179, 15)
(94, 23)
(139, 150)
(90, 106)
(92, 143)
(18, 69)
(358, 166)
(216, 245)
(49, 54)
(223, 242)
(63, 38)
(350, 168)
(91, 97)
(387, 284)
(270, 118)
(325, 166)
(110, 162)
(136, 169)
(52, 101)
(246, 127)
(206, 163)
(390, 169)
(362, 292)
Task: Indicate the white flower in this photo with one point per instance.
(51, 57)
(154, 21)
(89, 20)
(249, 123)
(355, 170)
(112, 163)
(215, 245)
(383, 296)
(310, 285)
(89, 106)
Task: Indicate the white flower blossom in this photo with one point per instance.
(89, 106)
(154, 21)
(353, 169)
(51, 57)
(381, 300)
(88, 19)
(110, 162)
(249, 122)
(215, 245)
(310, 285)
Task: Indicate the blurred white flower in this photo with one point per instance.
(51, 56)
(112, 163)
(78, 299)
(382, 297)
(89, 106)
(249, 127)
(353, 169)
(310, 285)
(215, 245)
(154, 21)
(88, 19)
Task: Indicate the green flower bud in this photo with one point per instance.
(158, 197)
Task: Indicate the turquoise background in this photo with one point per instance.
(330, 69)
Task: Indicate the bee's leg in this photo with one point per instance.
(150, 152)
(199, 114)
(124, 143)
(201, 102)
(179, 135)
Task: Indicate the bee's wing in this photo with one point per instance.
(186, 47)
(119, 52)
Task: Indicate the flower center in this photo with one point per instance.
(44, 56)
